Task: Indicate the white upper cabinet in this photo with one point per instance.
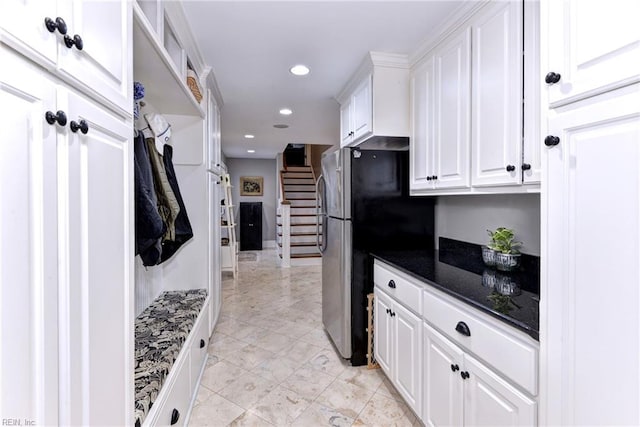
(375, 101)
(85, 42)
(592, 47)
(422, 131)
(22, 25)
(104, 64)
(496, 124)
(451, 108)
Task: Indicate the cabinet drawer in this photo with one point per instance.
(398, 285)
(494, 343)
(199, 344)
(178, 396)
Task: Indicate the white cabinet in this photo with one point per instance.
(28, 247)
(374, 103)
(592, 196)
(460, 390)
(440, 87)
(70, 230)
(593, 47)
(398, 347)
(496, 124)
(102, 29)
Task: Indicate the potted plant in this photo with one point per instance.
(505, 256)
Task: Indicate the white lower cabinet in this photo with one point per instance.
(398, 347)
(460, 390)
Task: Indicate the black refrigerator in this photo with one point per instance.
(365, 207)
(250, 226)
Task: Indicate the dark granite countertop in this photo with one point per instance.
(457, 269)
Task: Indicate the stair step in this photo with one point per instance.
(316, 255)
(302, 175)
(303, 203)
(303, 228)
(294, 181)
(303, 210)
(297, 168)
(298, 195)
(299, 187)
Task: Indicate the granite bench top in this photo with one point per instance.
(160, 332)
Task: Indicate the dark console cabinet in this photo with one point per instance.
(250, 226)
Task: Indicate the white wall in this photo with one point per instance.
(467, 218)
(265, 168)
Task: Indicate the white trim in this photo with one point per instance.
(268, 244)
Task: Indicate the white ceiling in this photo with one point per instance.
(252, 44)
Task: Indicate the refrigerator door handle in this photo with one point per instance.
(320, 211)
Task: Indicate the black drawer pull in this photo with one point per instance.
(462, 328)
(392, 284)
(201, 343)
(175, 416)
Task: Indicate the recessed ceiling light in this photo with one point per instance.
(279, 126)
(299, 70)
(249, 136)
(286, 112)
(251, 151)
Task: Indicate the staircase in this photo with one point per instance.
(300, 191)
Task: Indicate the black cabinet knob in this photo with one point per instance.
(202, 343)
(59, 117)
(82, 126)
(393, 313)
(391, 284)
(58, 24)
(464, 375)
(463, 329)
(429, 178)
(175, 416)
(526, 166)
(454, 368)
(551, 140)
(552, 78)
(511, 168)
(434, 177)
(388, 311)
(76, 40)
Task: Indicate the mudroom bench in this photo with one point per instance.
(171, 338)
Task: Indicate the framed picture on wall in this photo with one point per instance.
(251, 185)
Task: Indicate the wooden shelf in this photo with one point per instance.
(164, 87)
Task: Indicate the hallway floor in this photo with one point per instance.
(270, 362)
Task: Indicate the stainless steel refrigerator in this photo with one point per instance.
(365, 207)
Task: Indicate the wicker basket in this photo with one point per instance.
(192, 82)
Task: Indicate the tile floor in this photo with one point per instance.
(271, 364)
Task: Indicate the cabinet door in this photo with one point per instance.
(442, 399)
(407, 346)
(104, 65)
(362, 109)
(593, 45)
(496, 124)
(452, 93)
(346, 125)
(22, 26)
(29, 244)
(97, 268)
(382, 327)
(593, 199)
(422, 129)
(489, 400)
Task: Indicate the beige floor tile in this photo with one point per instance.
(301, 351)
(317, 337)
(218, 376)
(281, 407)
(224, 347)
(328, 361)
(348, 399)
(203, 394)
(274, 342)
(387, 389)
(317, 415)
(215, 411)
(246, 390)
(249, 357)
(250, 420)
(382, 411)
(363, 377)
(308, 382)
(276, 368)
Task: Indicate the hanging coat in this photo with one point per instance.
(149, 225)
(168, 206)
(183, 230)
